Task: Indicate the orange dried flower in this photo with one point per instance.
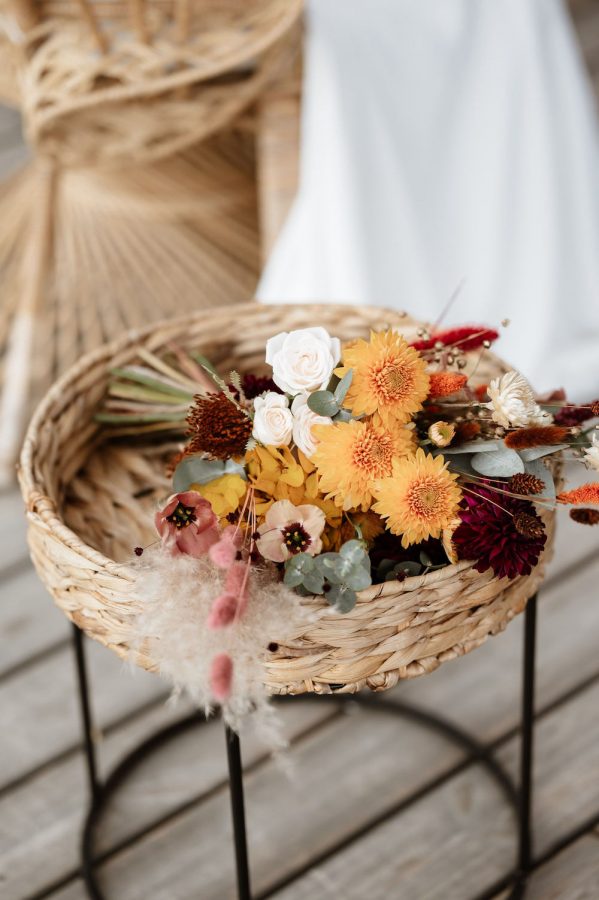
(587, 493)
(481, 391)
(585, 516)
(442, 384)
(536, 436)
(595, 408)
(217, 426)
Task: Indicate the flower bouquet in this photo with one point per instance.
(345, 473)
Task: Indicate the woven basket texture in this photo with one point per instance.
(90, 500)
(112, 82)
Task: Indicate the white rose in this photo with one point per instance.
(303, 360)
(273, 422)
(303, 420)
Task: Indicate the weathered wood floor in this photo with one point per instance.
(389, 809)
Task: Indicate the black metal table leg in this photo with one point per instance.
(525, 854)
(86, 716)
(238, 814)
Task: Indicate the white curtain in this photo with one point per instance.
(447, 141)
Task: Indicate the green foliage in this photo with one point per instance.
(330, 402)
(197, 470)
(339, 576)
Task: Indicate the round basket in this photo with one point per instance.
(90, 500)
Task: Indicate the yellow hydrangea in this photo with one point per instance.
(278, 474)
(225, 494)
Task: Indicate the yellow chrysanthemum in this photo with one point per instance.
(389, 378)
(225, 494)
(419, 499)
(278, 474)
(351, 456)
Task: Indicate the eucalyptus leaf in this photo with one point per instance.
(343, 415)
(314, 582)
(342, 598)
(323, 403)
(472, 447)
(425, 559)
(407, 568)
(353, 551)
(343, 387)
(461, 463)
(358, 579)
(498, 464)
(538, 468)
(538, 452)
(197, 470)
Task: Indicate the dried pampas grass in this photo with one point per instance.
(178, 593)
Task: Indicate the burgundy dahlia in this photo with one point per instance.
(254, 385)
(488, 534)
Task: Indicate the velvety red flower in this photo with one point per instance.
(187, 524)
(575, 415)
(489, 537)
(468, 337)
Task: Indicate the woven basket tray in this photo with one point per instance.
(90, 501)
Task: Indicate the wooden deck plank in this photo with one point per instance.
(13, 527)
(428, 850)
(30, 623)
(42, 819)
(40, 712)
(572, 875)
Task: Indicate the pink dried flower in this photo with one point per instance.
(221, 676)
(224, 553)
(223, 611)
(187, 524)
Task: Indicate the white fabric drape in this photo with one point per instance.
(450, 140)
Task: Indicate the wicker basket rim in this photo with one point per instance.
(39, 504)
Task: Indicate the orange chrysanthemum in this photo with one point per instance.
(420, 499)
(580, 496)
(442, 384)
(351, 456)
(389, 378)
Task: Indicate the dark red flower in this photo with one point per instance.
(488, 534)
(254, 385)
(468, 337)
(575, 415)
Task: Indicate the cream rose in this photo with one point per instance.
(303, 420)
(302, 360)
(273, 422)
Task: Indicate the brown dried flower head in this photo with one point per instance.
(585, 516)
(525, 484)
(536, 436)
(528, 526)
(217, 426)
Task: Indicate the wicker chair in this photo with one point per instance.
(141, 200)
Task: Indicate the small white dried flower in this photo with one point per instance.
(513, 403)
(441, 433)
(591, 454)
